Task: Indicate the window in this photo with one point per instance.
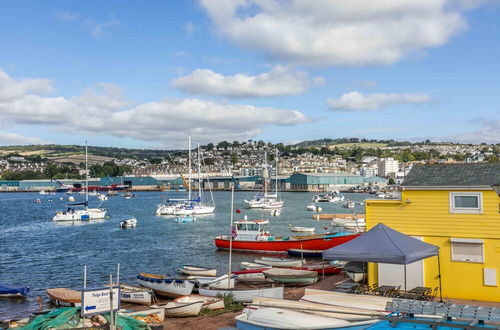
(467, 250)
(466, 202)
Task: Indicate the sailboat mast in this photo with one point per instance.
(230, 238)
(189, 168)
(265, 173)
(199, 172)
(276, 174)
(86, 176)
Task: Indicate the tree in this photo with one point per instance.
(234, 158)
(391, 181)
(155, 161)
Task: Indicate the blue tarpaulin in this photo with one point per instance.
(13, 289)
(382, 244)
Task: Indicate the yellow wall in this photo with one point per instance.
(428, 216)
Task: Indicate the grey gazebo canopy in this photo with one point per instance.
(382, 244)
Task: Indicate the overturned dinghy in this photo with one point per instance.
(280, 262)
(65, 297)
(212, 303)
(223, 281)
(291, 276)
(196, 270)
(243, 292)
(164, 286)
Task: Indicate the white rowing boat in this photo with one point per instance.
(291, 276)
(279, 262)
(365, 302)
(212, 303)
(303, 229)
(245, 293)
(180, 309)
(195, 270)
(252, 265)
(223, 281)
(136, 295)
(162, 285)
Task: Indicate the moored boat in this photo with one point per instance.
(136, 295)
(13, 291)
(129, 223)
(65, 297)
(291, 276)
(280, 262)
(182, 309)
(209, 302)
(185, 219)
(303, 229)
(162, 285)
(196, 270)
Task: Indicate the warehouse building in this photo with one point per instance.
(330, 181)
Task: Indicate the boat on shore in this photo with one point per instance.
(136, 295)
(223, 281)
(64, 297)
(155, 313)
(280, 262)
(244, 292)
(212, 303)
(252, 265)
(182, 309)
(164, 286)
(13, 291)
(291, 276)
(196, 270)
(251, 235)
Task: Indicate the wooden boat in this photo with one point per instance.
(181, 309)
(305, 253)
(212, 303)
(195, 270)
(136, 295)
(252, 236)
(65, 297)
(303, 229)
(162, 285)
(280, 262)
(291, 276)
(243, 292)
(157, 313)
(252, 265)
(223, 281)
(13, 291)
(269, 318)
(129, 223)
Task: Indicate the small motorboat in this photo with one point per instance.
(212, 303)
(42, 192)
(136, 295)
(291, 276)
(128, 195)
(303, 253)
(38, 201)
(185, 219)
(13, 291)
(162, 285)
(112, 193)
(314, 208)
(275, 212)
(182, 309)
(303, 229)
(102, 197)
(349, 204)
(195, 270)
(280, 262)
(71, 199)
(64, 297)
(129, 223)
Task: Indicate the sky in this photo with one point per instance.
(146, 74)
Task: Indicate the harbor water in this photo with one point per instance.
(39, 252)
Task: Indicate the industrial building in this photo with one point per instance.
(330, 181)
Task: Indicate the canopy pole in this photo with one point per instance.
(405, 279)
(439, 277)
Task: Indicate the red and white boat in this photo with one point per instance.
(251, 235)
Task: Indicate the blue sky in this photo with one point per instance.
(148, 73)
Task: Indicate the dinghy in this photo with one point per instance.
(136, 295)
(303, 253)
(181, 309)
(280, 262)
(269, 318)
(65, 297)
(365, 302)
(291, 276)
(320, 268)
(162, 285)
(212, 303)
(13, 291)
(129, 223)
(314, 208)
(252, 265)
(303, 229)
(185, 219)
(195, 270)
(243, 292)
(223, 281)
(252, 276)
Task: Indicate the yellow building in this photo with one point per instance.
(457, 208)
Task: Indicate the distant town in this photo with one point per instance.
(386, 159)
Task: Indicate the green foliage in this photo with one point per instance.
(108, 169)
(22, 175)
(229, 306)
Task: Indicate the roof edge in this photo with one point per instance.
(478, 187)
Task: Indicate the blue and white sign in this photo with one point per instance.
(96, 301)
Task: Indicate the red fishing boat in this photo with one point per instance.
(251, 235)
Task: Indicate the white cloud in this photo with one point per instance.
(277, 82)
(488, 132)
(340, 32)
(356, 101)
(16, 139)
(11, 89)
(102, 110)
(98, 30)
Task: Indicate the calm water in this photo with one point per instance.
(36, 251)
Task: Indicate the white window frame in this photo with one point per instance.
(467, 241)
(466, 210)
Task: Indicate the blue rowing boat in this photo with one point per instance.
(13, 291)
(305, 253)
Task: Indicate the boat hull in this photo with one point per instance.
(177, 309)
(172, 288)
(200, 271)
(321, 243)
(136, 295)
(246, 295)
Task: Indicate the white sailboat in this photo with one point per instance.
(86, 213)
(267, 200)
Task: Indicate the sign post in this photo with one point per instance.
(97, 301)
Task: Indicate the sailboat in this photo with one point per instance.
(267, 200)
(85, 214)
(241, 291)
